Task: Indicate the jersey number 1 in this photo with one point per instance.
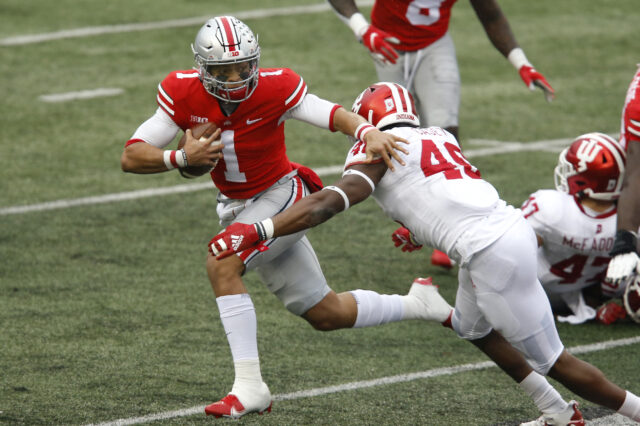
(232, 173)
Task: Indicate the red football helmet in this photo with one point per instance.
(383, 104)
(592, 166)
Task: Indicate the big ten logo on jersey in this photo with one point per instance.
(196, 119)
(588, 244)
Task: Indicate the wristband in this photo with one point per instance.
(625, 242)
(358, 24)
(362, 130)
(518, 58)
(264, 229)
(175, 158)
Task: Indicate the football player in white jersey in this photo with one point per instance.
(441, 198)
(576, 225)
(411, 45)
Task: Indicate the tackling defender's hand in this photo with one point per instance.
(234, 239)
(203, 151)
(533, 79)
(379, 44)
(402, 237)
(384, 145)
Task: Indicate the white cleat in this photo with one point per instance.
(571, 416)
(233, 407)
(432, 305)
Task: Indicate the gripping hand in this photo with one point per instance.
(379, 44)
(533, 79)
(402, 237)
(624, 260)
(234, 239)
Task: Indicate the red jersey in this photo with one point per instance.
(416, 23)
(630, 126)
(253, 135)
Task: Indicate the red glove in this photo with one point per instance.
(234, 239)
(378, 43)
(402, 237)
(533, 78)
(610, 312)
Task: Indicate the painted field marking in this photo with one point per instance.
(172, 23)
(554, 145)
(400, 378)
(82, 94)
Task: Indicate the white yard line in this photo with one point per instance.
(554, 145)
(401, 378)
(82, 94)
(173, 23)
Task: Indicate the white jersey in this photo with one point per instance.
(439, 196)
(576, 245)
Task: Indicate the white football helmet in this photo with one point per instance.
(592, 166)
(227, 55)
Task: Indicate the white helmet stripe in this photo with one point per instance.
(407, 100)
(396, 96)
(228, 33)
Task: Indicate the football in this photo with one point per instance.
(200, 131)
(631, 299)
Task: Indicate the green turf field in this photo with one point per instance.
(106, 312)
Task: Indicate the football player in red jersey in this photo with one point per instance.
(625, 261)
(249, 106)
(500, 305)
(411, 45)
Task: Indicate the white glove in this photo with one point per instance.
(621, 267)
(624, 259)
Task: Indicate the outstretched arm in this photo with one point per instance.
(499, 32)
(379, 43)
(352, 188)
(378, 143)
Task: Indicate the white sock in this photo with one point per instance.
(248, 377)
(239, 321)
(546, 398)
(375, 309)
(631, 407)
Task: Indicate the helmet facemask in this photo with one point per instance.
(229, 81)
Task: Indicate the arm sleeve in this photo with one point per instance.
(314, 110)
(159, 130)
